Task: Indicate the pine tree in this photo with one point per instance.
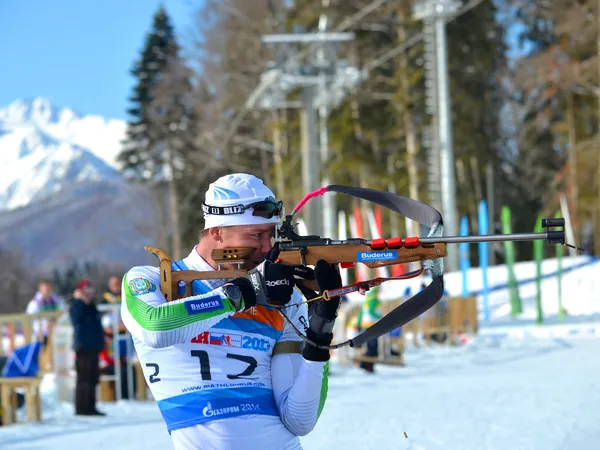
(535, 97)
(162, 134)
(140, 157)
(233, 58)
(476, 62)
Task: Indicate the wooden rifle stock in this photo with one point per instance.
(351, 253)
(171, 281)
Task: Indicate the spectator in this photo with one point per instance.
(107, 356)
(113, 294)
(370, 313)
(44, 301)
(88, 342)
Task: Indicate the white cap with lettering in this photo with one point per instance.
(232, 190)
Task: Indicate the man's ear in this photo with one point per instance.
(216, 233)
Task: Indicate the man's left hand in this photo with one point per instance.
(322, 313)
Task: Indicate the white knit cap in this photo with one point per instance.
(232, 190)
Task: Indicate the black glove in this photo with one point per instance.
(322, 313)
(270, 282)
(274, 282)
(248, 297)
(300, 271)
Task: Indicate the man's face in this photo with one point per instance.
(45, 289)
(114, 284)
(88, 292)
(259, 237)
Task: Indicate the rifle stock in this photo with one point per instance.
(351, 253)
(171, 281)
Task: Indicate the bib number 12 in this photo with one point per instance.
(204, 361)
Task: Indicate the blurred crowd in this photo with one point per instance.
(93, 335)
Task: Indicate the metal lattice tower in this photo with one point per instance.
(430, 134)
(324, 80)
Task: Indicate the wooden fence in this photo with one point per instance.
(20, 329)
(17, 330)
(443, 323)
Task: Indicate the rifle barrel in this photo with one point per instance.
(488, 238)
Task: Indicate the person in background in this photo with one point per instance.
(88, 342)
(108, 354)
(45, 300)
(113, 294)
(368, 314)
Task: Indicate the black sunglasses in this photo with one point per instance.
(267, 209)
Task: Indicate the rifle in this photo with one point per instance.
(307, 250)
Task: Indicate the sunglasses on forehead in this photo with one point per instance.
(267, 208)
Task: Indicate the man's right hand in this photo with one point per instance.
(273, 283)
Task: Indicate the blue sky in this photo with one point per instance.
(78, 53)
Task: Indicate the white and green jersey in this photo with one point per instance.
(212, 371)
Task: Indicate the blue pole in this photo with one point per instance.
(463, 249)
(483, 257)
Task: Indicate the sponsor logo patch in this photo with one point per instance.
(204, 305)
(376, 256)
(140, 286)
(232, 340)
(284, 282)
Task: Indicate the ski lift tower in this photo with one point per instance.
(434, 14)
(323, 80)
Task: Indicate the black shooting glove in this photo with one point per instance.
(322, 313)
(271, 282)
(244, 298)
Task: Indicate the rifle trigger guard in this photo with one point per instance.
(303, 253)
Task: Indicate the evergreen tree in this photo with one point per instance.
(162, 134)
(17, 282)
(363, 128)
(476, 62)
(536, 157)
(140, 157)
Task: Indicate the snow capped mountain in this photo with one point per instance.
(98, 135)
(43, 149)
(62, 198)
(104, 222)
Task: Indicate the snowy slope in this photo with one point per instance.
(530, 395)
(580, 288)
(43, 149)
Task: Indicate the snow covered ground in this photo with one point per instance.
(491, 394)
(516, 385)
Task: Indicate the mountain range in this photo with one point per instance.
(62, 197)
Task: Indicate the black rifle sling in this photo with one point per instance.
(415, 306)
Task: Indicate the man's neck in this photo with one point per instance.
(204, 253)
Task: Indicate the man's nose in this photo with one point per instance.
(265, 244)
